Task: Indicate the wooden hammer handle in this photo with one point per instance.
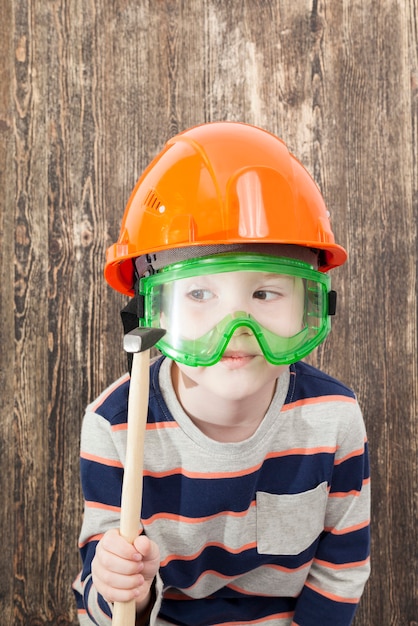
(124, 612)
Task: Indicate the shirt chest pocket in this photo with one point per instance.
(289, 524)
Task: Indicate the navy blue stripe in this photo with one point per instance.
(295, 473)
(350, 474)
(310, 382)
(78, 600)
(87, 553)
(104, 605)
(114, 408)
(205, 612)
(101, 483)
(353, 547)
(316, 610)
(201, 497)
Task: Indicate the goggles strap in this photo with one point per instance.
(130, 315)
(332, 302)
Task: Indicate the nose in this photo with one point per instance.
(240, 314)
(241, 330)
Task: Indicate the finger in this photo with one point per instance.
(113, 543)
(117, 564)
(115, 586)
(117, 594)
(112, 580)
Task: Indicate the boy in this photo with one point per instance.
(256, 486)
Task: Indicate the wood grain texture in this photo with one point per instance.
(89, 93)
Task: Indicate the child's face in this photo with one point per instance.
(200, 303)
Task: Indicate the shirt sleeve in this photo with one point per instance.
(101, 471)
(341, 565)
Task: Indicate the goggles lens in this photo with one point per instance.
(252, 304)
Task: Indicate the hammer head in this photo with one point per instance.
(141, 339)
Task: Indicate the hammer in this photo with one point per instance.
(138, 342)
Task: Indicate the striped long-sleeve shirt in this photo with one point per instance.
(273, 530)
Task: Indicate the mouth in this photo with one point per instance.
(236, 360)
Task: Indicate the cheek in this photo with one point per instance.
(180, 321)
(191, 376)
(294, 322)
(298, 312)
(285, 320)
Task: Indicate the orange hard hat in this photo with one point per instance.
(221, 183)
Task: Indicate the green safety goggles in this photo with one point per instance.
(245, 303)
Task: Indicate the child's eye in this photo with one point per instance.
(200, 295)
(263, 294)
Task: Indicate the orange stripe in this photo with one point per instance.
(302, 451)
(344, 494)
(162, 425)
(349, 529)
(289, 570)
(205, 475)
(99, 505)
(92, 538)
(341, 566)
(332, 596)
(207, 573)
(194, 520)
(119, 427)
(100, 459)
(215, 544)
(279, 568)
(351, 455)
(318, 400)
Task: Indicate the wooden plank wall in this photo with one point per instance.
(89, 93)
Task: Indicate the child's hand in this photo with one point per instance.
(122, 571)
